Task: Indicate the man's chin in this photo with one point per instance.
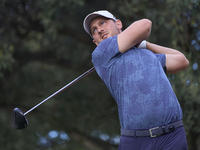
(104, 39)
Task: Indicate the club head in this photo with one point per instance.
(19, 120)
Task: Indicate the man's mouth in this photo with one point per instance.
(104, 36)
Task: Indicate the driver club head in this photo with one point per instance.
(19, 120)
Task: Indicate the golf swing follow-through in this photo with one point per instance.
(19, 121)
(134, 70)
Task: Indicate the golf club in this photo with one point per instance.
(19, 121)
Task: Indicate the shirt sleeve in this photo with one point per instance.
(162, 59)
(106, 53)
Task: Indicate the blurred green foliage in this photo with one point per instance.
(43, 47)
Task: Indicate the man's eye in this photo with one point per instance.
(102, 22)
(94, 30)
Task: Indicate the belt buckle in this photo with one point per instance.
(151, 134)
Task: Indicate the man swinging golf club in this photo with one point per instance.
(134, 72)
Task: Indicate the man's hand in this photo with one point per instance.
(142, 45)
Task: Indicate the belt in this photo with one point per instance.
(153, 132)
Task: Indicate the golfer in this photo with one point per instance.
(134, 72)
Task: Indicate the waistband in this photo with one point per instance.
(153, 132)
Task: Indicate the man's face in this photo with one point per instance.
(102, 28)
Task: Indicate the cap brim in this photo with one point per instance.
(88, 20)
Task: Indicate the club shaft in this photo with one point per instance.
(63, 88)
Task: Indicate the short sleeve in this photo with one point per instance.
(105, 53)
(162, 59)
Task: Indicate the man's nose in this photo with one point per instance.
(100, 29)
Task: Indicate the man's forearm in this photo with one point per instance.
(134, 34)
(160, 49)
(175, 60)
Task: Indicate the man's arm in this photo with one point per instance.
(175, 60)
(134, 34)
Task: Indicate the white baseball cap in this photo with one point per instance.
(88, 19)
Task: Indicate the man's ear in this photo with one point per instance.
(95, 42)
(119, 24)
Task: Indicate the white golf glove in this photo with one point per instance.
(142, 45)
